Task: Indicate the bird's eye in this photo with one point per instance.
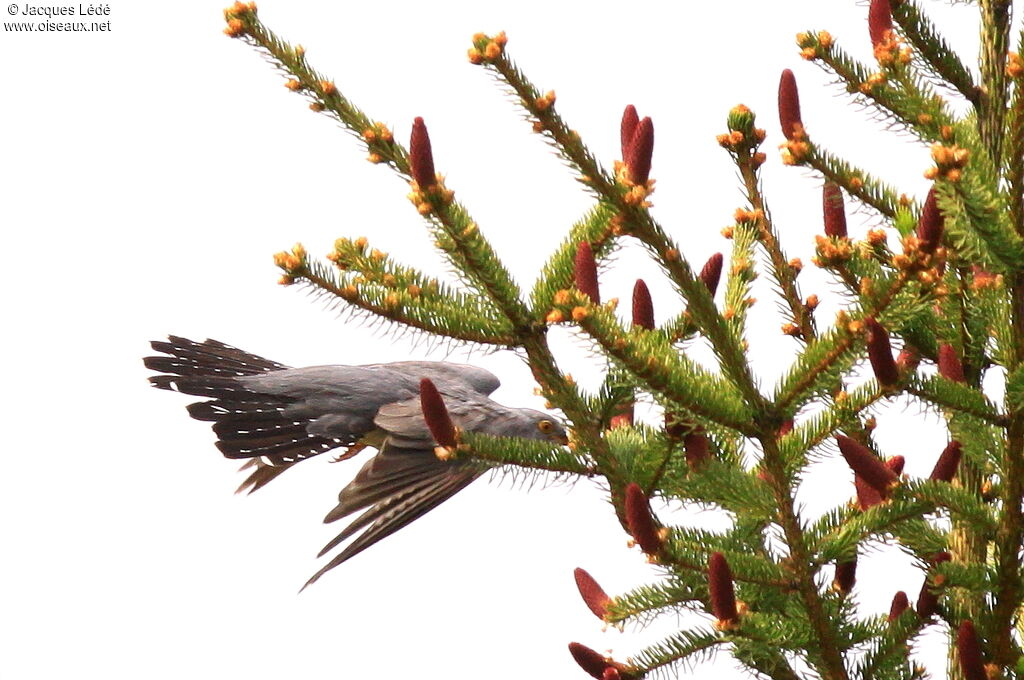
(546, 426)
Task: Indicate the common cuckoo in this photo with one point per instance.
(275, 417)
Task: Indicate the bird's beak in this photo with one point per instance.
(562, 439)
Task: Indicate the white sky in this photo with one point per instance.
(148, 175)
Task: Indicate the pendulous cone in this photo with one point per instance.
(866, 464)
(421, 158)
(711, 273)
(880, 353)
(585, 273)
(948, 462)
(898, 606)
(641, 151)
(789, 106)
(593, 595)
(950, 366)
(968, 649)
(930, 225)
(879, 21)
(720, 588)
(440, 424)
(640, 520)
(833, 210)
(643, 307)
(627, 129)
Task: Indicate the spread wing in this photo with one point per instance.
(403, 482)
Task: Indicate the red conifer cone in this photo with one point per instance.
(846, 576)
(593, 595)
(643, 307)
(789, 106)
(586, 273)
(720, 587)
(592, 662)
(948, 462)
(866, 464)
(833, 209)
(950, 366)
(879, 21)
(627, 129)
(898, 606)
(695, 445)
(640, 520)
(927, 600)
(968, 648)
(880, 353)
(867, 496)
(930, 224)
(711, 273)
(641, 150)
(421, 158)
(436, 414)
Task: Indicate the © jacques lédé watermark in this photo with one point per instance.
(78, 18)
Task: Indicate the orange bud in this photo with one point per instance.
(930, 224)
(950, 367)
(720, 587)
(421, 158)
(789, 106)
(968, 649)
(643, 307)
(880, 353)
(879, 21)
(436, 414)
(641, 149)
(866, 464)
(948, 462)
(898, 606)
(630, 121)
(833, 209)
(593, 595)
(585, 272)
(640, 520)
(712, 272)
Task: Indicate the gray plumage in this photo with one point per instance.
(276, 417)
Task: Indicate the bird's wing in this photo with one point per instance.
(403, 481)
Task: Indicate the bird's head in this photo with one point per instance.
(545, 427)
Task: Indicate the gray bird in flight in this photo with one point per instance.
(276, 417)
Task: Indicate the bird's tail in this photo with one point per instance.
(249, 424)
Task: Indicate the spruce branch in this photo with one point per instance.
(525, 453)
(956, 397)
(858, 183)
(995, 43)
(782, 268)
(895, 93)
(933, 50)
(634, 217)
(403, 297)
(649, 356)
